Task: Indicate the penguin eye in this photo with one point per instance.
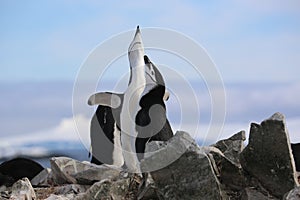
(152, 73)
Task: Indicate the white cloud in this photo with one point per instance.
(253, 102)
(293, 126)
(44, 111)
(64, 131)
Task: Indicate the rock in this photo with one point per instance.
(106, 189)
(22, 190)
(123, 189)
(179, 169)
(161, 154)
(253, 194)
(294, 194)
(61, 197)
(99, 190)
(44, 192)
(190, 176)
(230, 174)
(62, 168)
(268, 156)
(67, 170)
(150, 192)
(44, 178)
(64, 191)
(4, 193)
(98, 173)
(153, 146)
(67, 192)
(232, 147)
(71, 189)
(296, 154)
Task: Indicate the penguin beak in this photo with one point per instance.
(136, 50)
(166, 96)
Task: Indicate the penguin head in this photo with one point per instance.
(152, 74)
(154, 79)
(136, 51)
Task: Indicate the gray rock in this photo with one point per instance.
(71, 189)
(60, 192)
(22, 190)
(268, 156)
(61, 197)
(230, 174)
(4, 194)
(99, 190)
(190, 176)
(161, 154)
(154, 146)
(3, 188)
(254, 194)
(150, 192)
(232, 147)
(67, 170)
(294, 194)
(44, 178)
(62, 168)
(96, 174)
(122, 188)
(125, 188)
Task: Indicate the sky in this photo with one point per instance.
(254, 45)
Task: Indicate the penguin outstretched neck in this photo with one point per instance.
(124, 123)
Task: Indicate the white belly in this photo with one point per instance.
(118, 159)
(128, 135)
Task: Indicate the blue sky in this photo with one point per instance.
(248, 40)
(255, 46)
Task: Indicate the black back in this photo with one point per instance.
(102, 133)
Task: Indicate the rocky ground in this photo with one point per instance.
(180, 169)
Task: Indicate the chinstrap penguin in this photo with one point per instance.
(124, 123)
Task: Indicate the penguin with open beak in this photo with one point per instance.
(124, 123)
(151, 120)
(131, 102)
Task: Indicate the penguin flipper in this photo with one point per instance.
(109, 99)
